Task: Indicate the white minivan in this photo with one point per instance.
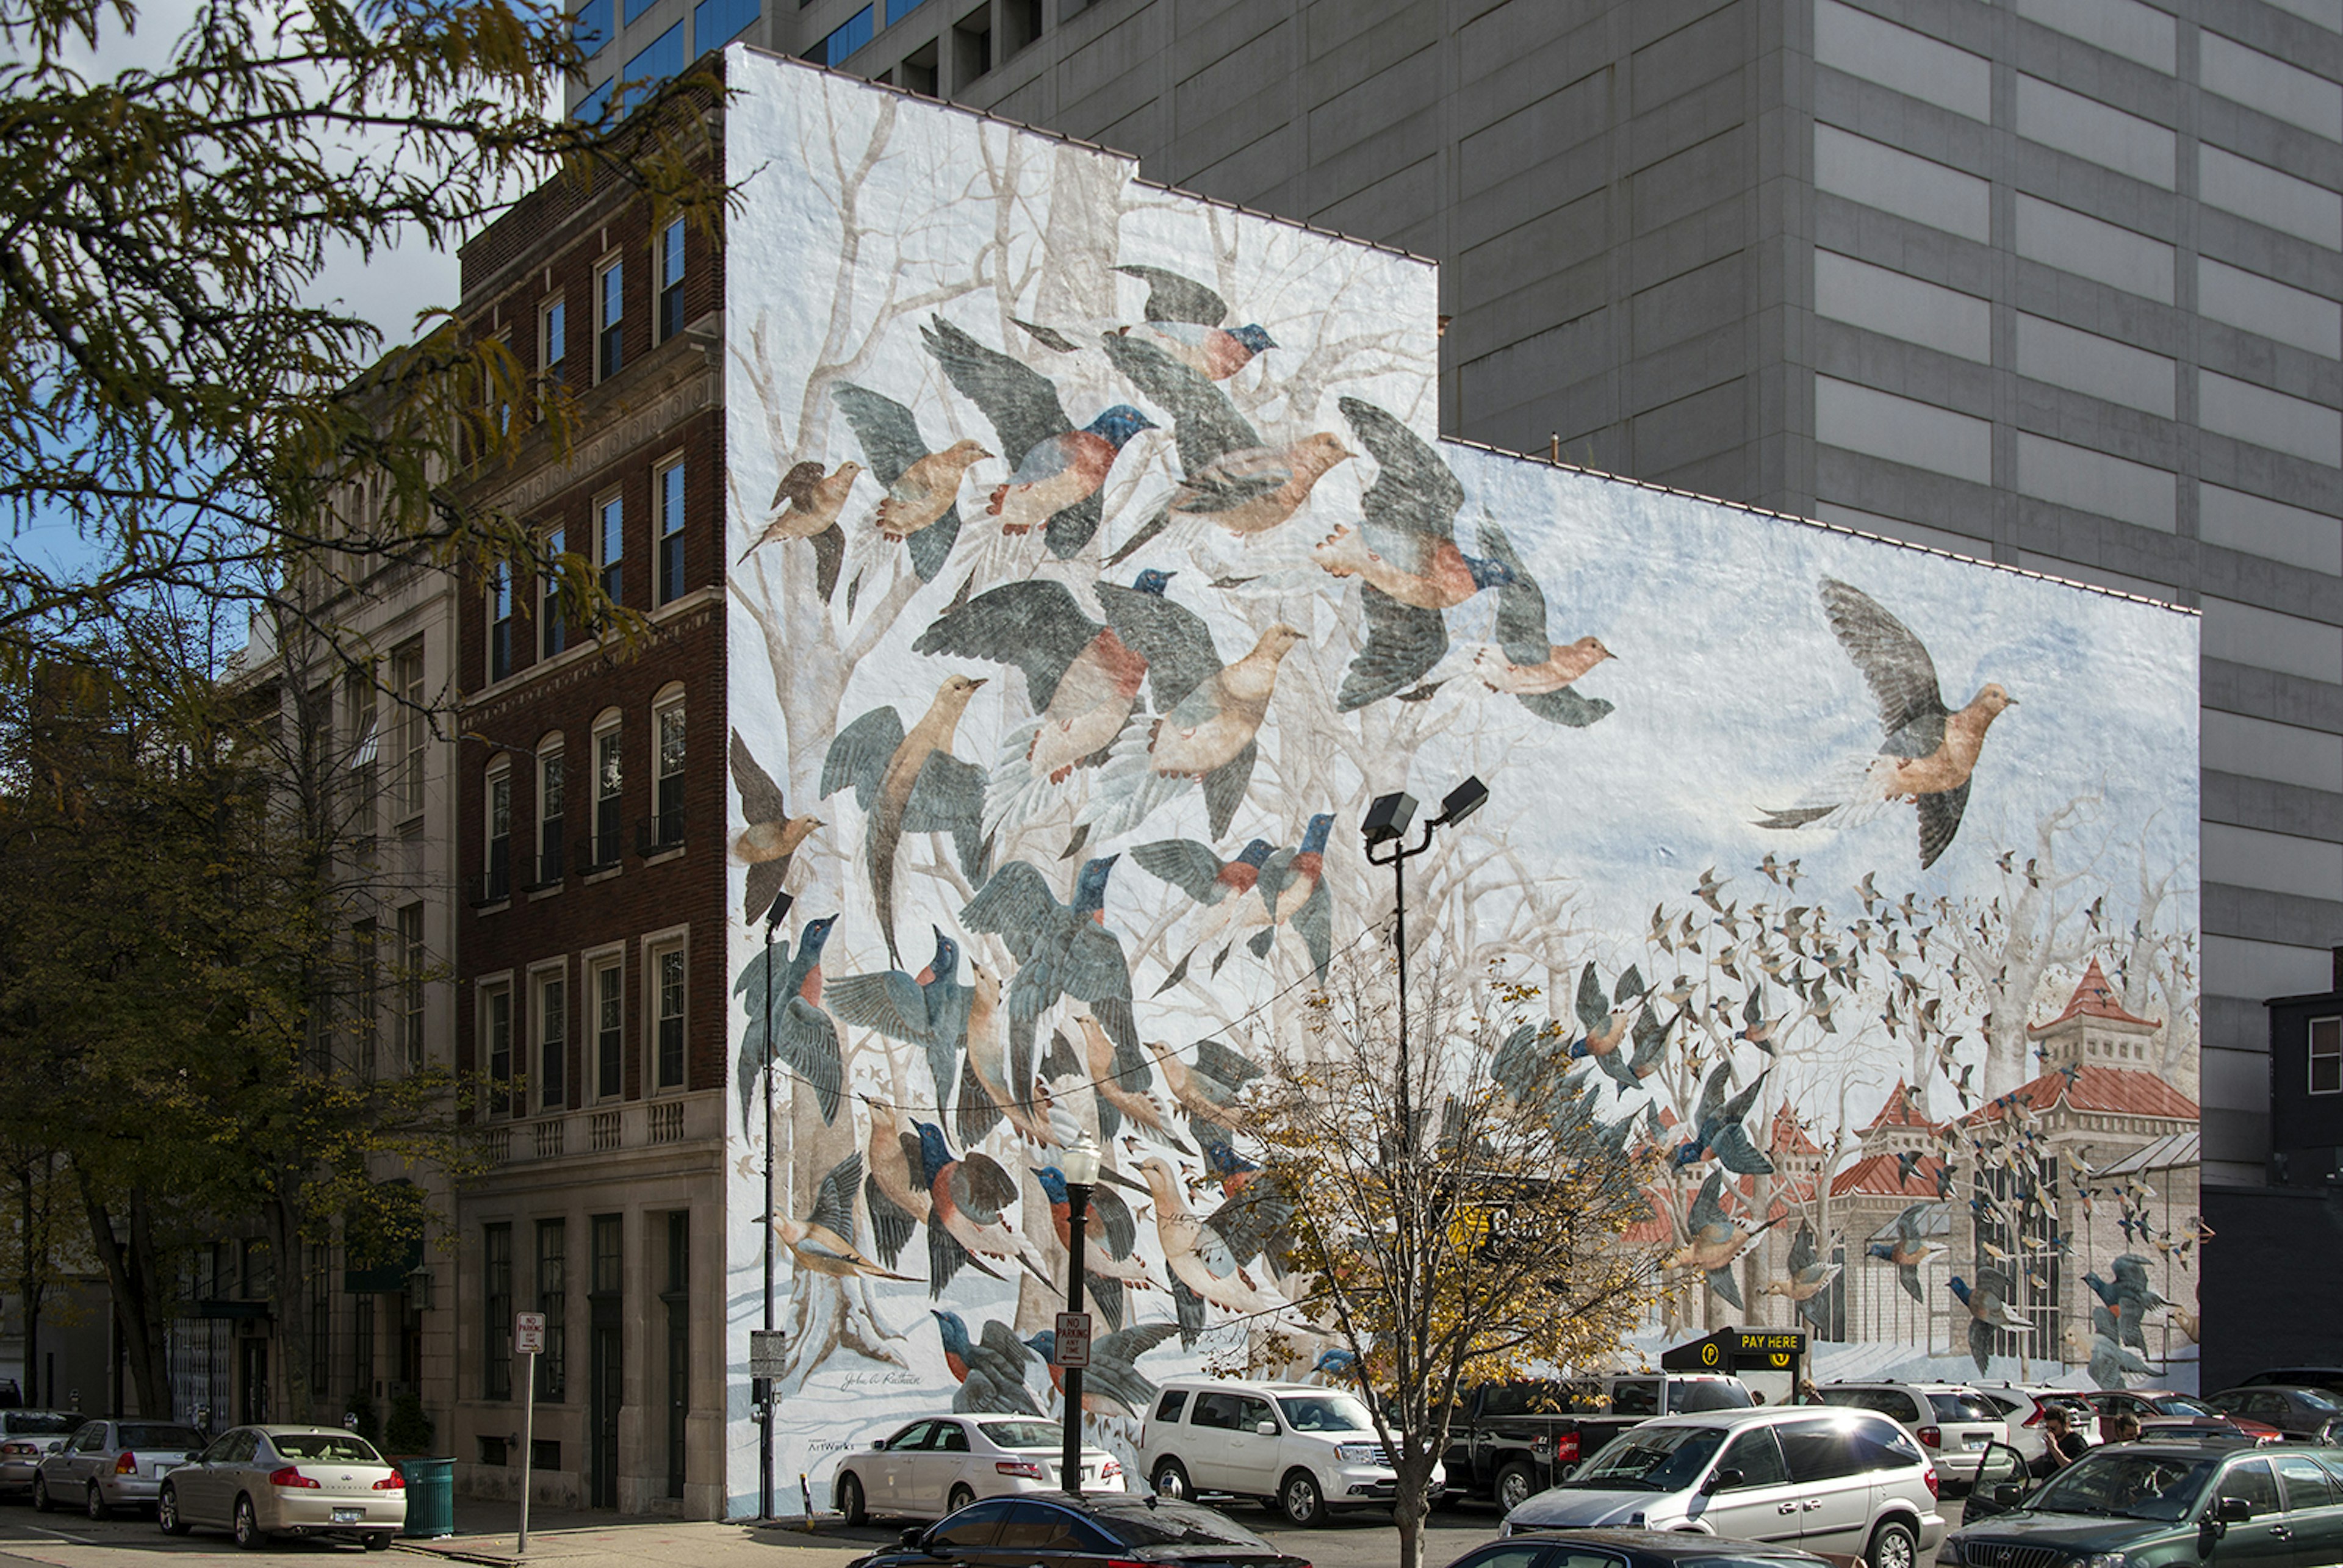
(1301, 1449)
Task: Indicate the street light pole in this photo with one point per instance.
(1081, 1171)
(763, 1387)
(1387, 823)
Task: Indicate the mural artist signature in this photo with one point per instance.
(882, 1380)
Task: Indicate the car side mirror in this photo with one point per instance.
(1720, 1479)
(910, 1537)
(2232, 1511)
(2009, 1494)
(1267, 1429)
(58, 1446)
(193, 1455)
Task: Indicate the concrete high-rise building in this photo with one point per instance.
(2054, 283)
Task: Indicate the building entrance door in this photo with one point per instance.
(602, 1417)
(252, 1381)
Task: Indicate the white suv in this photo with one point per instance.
(1953, 1421)
(1299, 1447)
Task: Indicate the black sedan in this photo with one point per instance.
(2310, 1414)
(1041, 1531)
(1632, 1549)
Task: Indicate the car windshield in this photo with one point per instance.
(2112, 1484)
(1024, 1434)
(179, 1437)
(1325, 1412)
(1963, 1407)
(2316, 1400)
(44, 1421)
(2181, 1405)
(1652, 1458)
(338, 1447)
(1144, 1523)
(1702, 1394)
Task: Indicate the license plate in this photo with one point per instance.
(1972, 1441)
(348, 1516)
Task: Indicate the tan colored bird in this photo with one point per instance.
(1140, 1106)
(1564, 664)
(806, 507)
(820, 1242)
(772, 835)
(926, 491)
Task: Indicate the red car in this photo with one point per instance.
(2162, 1413)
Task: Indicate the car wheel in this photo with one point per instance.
(959, 1497)
(96, 1502)
(1515, 1486)
(1303, 1504)
(248, 1534)
(41, 1499)
(377, 1541)
(167, 1511)
(1170, 1479)
(1892, 1546)
(850, 1499)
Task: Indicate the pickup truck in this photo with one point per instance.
(1512, 1439)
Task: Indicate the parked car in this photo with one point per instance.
(1508, 1440)
(1303, 1449)
(2022, 1406)
(1836, 1481)
(2329, 1378)
(1084, 1532)
(2163, 1412)
(2157, 1504)
(263, 1481)
(110, 1463)
(27, 1436)
(2309, 1413)
(1632, 1549)
(930, 1468)
(1951, 1420)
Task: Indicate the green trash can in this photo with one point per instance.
(430, 1497)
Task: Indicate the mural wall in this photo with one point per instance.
(1097, 562)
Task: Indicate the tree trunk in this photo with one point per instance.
(289, 1300)
(129, 1276)
(1412, 1503)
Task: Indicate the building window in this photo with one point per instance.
(365, 953)
(550, 798)
(360, 702)
(670, 280)
(406, 685)
(716, 23)
(611, 545)
(553, 1300)
(497, 883)
(667, 491)
(667, 827)
(496, 1046)
(667, 981)
(652, 67)
(553, 1041)
(610, 317)
(500, 621)
(362, 1344)
(590, 27)
(2326, 1055)
(848, 36)
(411, 965)
(610, 1029)
(495, 1301)
(608, 779)
(676, 1298)
(553, 631)
(258, 1280)
(552, 337)
(321, 1335)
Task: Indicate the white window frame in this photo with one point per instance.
(553, 322)
(605, 320)
(540, 1046)
(669, 519)
(496, 775)
(671, 701)
(486, 992)
(594, 964)
(549, 752)
(657, 947)
(609, 728)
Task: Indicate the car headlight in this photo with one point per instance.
(1360, 1452)
(2095, 1559)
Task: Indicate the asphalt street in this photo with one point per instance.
(578, 1540)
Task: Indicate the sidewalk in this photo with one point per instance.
(487, 1530)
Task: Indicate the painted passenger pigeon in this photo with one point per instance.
(985, 1093)
(1207, 1080)
(929, 1010)
(894, 1191)
(806, 507)
(1712, 1240)
(991, 1371)
(1190, 322)
(1524, 661)
(1990, 1312)
(969, 1195)
(1929, 751)
(1213, 883)
(1110, 1241)
(1805, 1280)
(1405, 551)
(1057, 469)
(1908, 1250)
(771, 837)
(1292, 892)
(805, 1039)
(823, 1243)
(1228, 476)
(1198, 1252)
(909, 782)
(1719, 1127)
(921, 506)
(1114, 1384)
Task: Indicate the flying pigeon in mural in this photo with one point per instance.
(1929, 752)
(1207, 735)
(1061, 950)
(1125, 1095)
(1228, 476)
(909, 783)
(1200, 1254)
(1605, 1023)
(1081, 676)
(1524, 661)
(1058, 471)
(1990, 1312)
(1908, 1250)
(929, 1010)
(1292, 893)
(1648, 1050)
(1719, 1127)
(985, 1094)
(1113, 1385)
(968, 1194)
(806, 507)
(805, 1039)
(923, 502)
(1405, 551)
(893, 1191)
(1191, 322)
(1209, 1088)
(2129, 1299)
(771, 837)
(822, 1242)
(1713, 1239)
(1213, 883)
(991, 1371)
(1110, 1241)
(1807, 1277)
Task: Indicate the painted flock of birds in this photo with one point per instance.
(1135, 704)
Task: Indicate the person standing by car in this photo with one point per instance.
(2061, 1445)
(2121, 1427)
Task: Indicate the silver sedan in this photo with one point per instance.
(264, 1480)
(109, 1465)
